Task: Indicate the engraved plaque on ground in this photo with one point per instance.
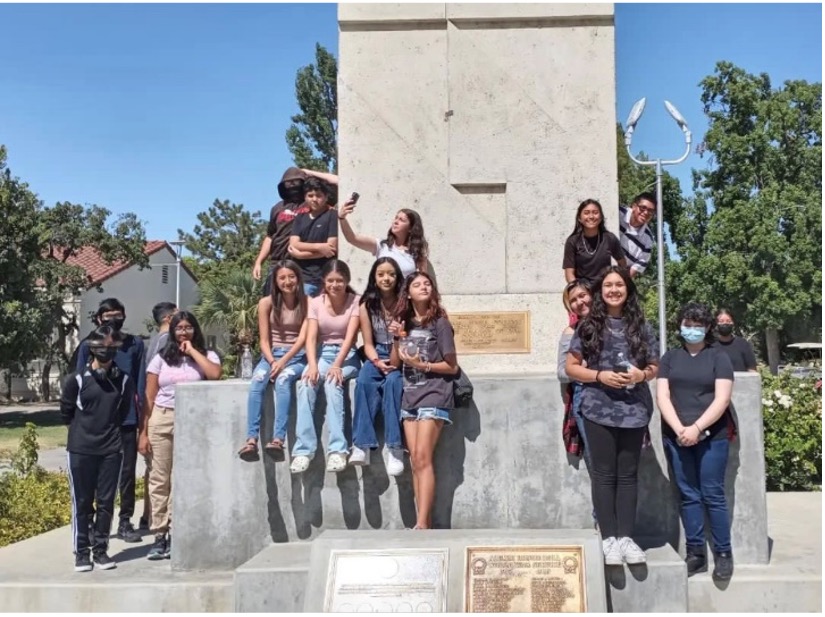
(499, 332)
(392, 581)
(525, 579)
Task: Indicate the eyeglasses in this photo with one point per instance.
(185, 329)
(644, 210)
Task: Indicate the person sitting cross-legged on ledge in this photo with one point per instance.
(693, 391)
(614, 340)
(379, 382)
(282, 329)
(333, 323)
(425, 343)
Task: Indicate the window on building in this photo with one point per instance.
(164, 275)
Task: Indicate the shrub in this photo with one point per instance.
(792, 417)
(33, 500)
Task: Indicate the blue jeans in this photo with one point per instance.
(311, 290)
(283, 393)
(699, 472)
(306, 441)
(579, 418)
(374, 391)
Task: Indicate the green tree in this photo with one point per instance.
(226, 236)
(22, 318)
(751, 237)
(229, 301)
(64, 230)
(312, 138)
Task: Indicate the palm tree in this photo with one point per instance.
(230, 301)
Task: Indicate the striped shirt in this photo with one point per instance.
(637, 242)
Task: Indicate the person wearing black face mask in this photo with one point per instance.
(129, 359)
(94, 403)
(738, 349)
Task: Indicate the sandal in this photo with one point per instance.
(249, 450)
(275, 444)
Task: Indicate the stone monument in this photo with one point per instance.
(493, 121)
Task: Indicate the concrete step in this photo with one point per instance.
(658, 586)
(275, 580)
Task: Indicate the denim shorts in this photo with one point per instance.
(427, 413)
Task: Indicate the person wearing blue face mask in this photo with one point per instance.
(693, 393)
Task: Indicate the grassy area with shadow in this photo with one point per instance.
(51, 432)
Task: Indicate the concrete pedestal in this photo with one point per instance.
(501, 465)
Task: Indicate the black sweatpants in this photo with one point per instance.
(129, 438)
(614, 459)
(93, 478)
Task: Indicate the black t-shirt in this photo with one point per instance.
(279, 229)
(315, 231)
(692, 381)
(740, 353)
(589, 256)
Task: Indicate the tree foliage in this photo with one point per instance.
(751, 236)
(225, 237)
(36, 277)
(312, 138)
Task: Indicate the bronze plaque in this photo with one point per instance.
(525, 579)
(387, 581)
(499, 332)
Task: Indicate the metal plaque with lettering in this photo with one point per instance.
(525, 579)
(396, 581)
(498, 332)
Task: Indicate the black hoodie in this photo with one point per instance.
(283, 213)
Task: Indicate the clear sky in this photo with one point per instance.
(159, 109)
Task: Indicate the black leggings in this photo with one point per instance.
(614, 460)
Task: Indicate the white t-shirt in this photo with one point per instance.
(404, 260)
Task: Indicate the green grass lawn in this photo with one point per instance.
(51, 432)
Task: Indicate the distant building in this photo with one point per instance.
(138, 290)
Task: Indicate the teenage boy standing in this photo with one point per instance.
(94, 403)
(130, 360)
(636, 238)
(314, 239)
(162, 313)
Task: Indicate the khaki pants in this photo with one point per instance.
(161, 431)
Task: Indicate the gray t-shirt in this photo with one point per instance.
(611, 406)
(380, 334)
(156, 343)
(434, 342)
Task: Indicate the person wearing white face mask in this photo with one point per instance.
(693, 393)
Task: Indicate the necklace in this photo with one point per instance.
(586, 246)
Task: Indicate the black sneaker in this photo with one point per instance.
(168, 553)
(158, 550)
(103, 561)
(143, 524)
(127, 533)
(723, 566)
(696, 561)
(83, 562)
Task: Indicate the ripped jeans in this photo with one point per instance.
(283, 393)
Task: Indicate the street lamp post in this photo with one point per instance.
(632, 119)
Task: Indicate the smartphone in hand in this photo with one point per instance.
(354, 198)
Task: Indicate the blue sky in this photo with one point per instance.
(159, 109)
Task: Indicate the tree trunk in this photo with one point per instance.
(772, 345)
(45, 386)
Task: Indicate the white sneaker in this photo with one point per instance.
(300, 464)
(359, 456)
(631, 552)
(395, 461)
(336, 462)
(612, 553)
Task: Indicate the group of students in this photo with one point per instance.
(119, 401)
(309, 321)
(606, 355)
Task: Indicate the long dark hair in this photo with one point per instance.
(405, 310)
(171, 353)
(592, 328)
(341, 267)
(372, 296)
(416, 243)
(278, 296)
(578, 230)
